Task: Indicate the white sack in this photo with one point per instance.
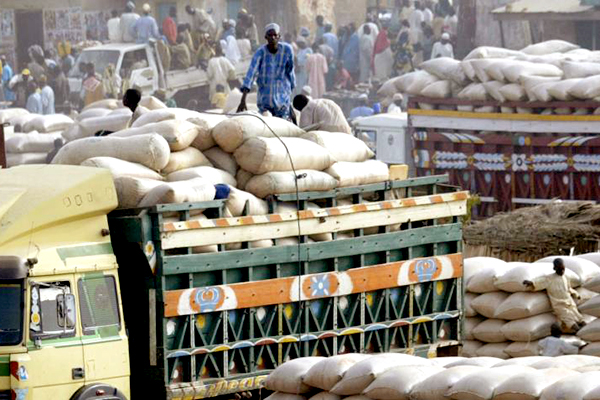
(179, 134)
(587, 88)
(359, 173)
(490, 331)
(486, 269)
(585, 269)
(31, 142)
(572, 387)
(184, 159)
(327, 373)
(580, 69)
(522, 349)
(491, 52)
(487, 303)
(222, 160)
(469, 310)
(522, 305)
(6, 115)
(14, 159)
(512, 73)
(205, 124)
(48, 123)
(591, 307)
(111, 123)
(150, 150)
(215, 176)
(420, 79)
(513, 92)
(470, 324)
(590, 332)
(445, 68)
(512, 280)
(119, 168)
(397, 383)
(131, 190)
(485, 362)
(436, 386)
(237, 202)
(530, 384)
(481, 385)
(561, 89)
(111, 104)
(341, 146)
(242, 177)
(92, 113)
(288, 376)
(284, 182)
(193, 191)
(437, 90)
(163, 115)
(528, 329)
(470, 347)
(152, 103)
(549, 47)
(493, 350)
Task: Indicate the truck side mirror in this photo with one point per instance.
(65, 310)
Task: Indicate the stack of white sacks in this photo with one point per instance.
(32, 136)
(504, 319)
(552, 70)
(399, 376)
(591, 332)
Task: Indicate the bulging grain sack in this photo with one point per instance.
(437, 90)
(260, 155)
(580, 69)
(179, 134)
(528, 329)
(119, 168)
(493, 89)
(184, 159)
(327, 373)
(164, 114)
(487, 303)
(215, 176)
(31, 142)
(484, 362)
(474, 92)
(238, 199)
(493, 350)
(242, 177)
(48, 123)
(523, 305)
(446, 68)
(470, 324)
(436, 386)
(481, 385)
(593, 257)
(530, 384)
(205, 124)
(285, 182)
(397, 383)
(561, 89)
(20, 122)
(151, 150)
(152, 103)
(470, 347)
(481, 271)
(529, 82)
(592, 349)
(591, 307)
(512, 280)
(288, 376)
(420, 77)
(593, 284)
(490, 331)
(110, 123)
(591, 332)
(512, 73)
(584, 295)
(587, 88)
(358, 377)
(585, 269)
(527, 361)
(444, 361)
(341, 146)
(222, 160)
(469, 310)
(131, 190)
(233, 101)
(540, 92)
(359, 173)
(326, 396)
(6, 115)
(572, 387)
(571, 361)
(233, 132)
(388, 89)
(285, 396)
(110, 104)
(480, 67)
(522, 349)
(549, 47)
(14, 159)
(192, 191)
(513, 92)
(491, 52)
(92, 113)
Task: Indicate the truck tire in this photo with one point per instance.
(98, 391)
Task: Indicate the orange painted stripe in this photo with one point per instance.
(221, 222)
(195, 224)
(306, 214)
(334, 211)
(360, 208)
(408, 203)
(275, 218)
(437, 199)
(169, 226)
(247, 220)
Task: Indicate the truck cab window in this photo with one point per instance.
(11, 312)
(99, 305)
(53, 312)
(134, 60)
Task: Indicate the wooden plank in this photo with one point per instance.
(188, 206)
(336, 219)
(314, 251)
(2, 148)
(310, 287)
(152, 326)
(509, 117)
(504, 125)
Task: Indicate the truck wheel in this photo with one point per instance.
(98, 391)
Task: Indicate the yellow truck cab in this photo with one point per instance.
(62, 334)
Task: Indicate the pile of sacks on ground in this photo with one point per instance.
(32, 136)
(543, 72)
(393, 376)
(172, 155)
(505, 319)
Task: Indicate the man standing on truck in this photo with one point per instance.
(272, 68)
(561, 295)
(127, 22)
(321, 114)
(145, 28)
(202, 22)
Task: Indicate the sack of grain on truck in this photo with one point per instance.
(111, 123)
(482, 384)
(446, 68)
(486, 304)
(438, 90)
(496, 350)
(341, 146)
(474, 92)
(327, 373)
(435, 387)
(233, 132)
(6, 115)
(151, 150)
(491, 52)
(222, 160)
(260, 155)
(490, 331)
(205, 124)
(483, 271)
(530, 384)
(192, 191)
(285, 182)
(470, 324)
(14, 159)
(185, 159)
(119, 168)
(110, 104)
(19, 122)
(522, 349)
(574, 387)
(165, 114)
(469, 348)
(528, 329)
(48, 123)
(512, 73)
(585, 269)
(512, 280)
(419, 83)
(549, 47)
(359, 173)
(523, 305)
(131, 190)
(214, 175)
(423, 78)
(179, 134)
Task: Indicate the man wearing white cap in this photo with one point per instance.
(146, 28)
(396, 106)
(363, 110)
(443, 48)
(127, 22)
(272, 68)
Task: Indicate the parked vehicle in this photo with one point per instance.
(97, 303)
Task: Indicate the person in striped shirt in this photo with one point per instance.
(272, 68)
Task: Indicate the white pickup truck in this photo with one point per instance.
(141, 64)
